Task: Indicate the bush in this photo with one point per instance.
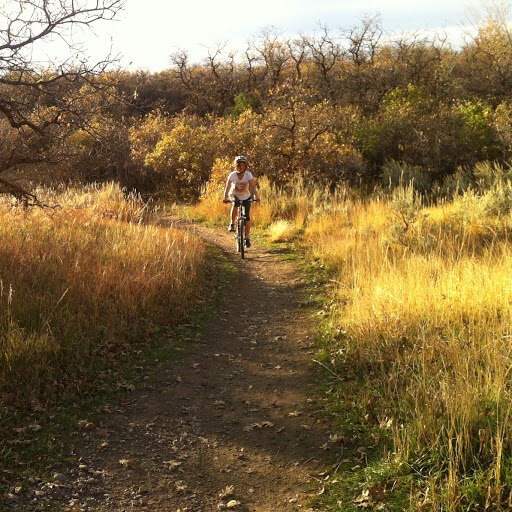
(397, 174)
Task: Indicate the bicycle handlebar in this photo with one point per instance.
(235, 201)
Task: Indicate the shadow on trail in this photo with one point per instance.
(235, 420)
(244, 397)
(250, 392)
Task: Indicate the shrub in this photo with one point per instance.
(396, 174)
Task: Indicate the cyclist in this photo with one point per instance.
(240, 186)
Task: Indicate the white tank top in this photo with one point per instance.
(240, 186)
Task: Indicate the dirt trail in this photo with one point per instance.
(232, 425)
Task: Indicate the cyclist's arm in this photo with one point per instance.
(253, 189)
(227, 188)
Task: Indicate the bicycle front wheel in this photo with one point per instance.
(241, 238)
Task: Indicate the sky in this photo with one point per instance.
(147, 32)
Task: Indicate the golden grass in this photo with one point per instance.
(296, 205)
(427, 316)
(424, 298)
(85, 281)
(281, 231)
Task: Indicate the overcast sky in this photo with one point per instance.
(147, 32)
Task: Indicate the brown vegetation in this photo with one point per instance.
(420, 297)
(332, 107)
(82, 285)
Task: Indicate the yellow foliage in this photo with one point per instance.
(81, 139)
(428, 314)
(431, 318)
(144, 137)
(281, 231)
(218, 175)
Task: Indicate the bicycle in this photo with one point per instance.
(241, 219)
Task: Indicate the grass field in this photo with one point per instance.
(419, 332)
(416, 336)
(81, 285)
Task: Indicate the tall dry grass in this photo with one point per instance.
(82, 283)
(425, 300)
(282, 212)
(423, 306)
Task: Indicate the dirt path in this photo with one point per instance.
(232, 425)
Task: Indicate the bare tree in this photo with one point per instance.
(298, 50)
(326, 52)
(210, 86)
(273, 54)
(487, 54)
(222, 71)
(37, 95)
(363, 41)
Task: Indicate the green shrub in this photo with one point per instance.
(401, 174)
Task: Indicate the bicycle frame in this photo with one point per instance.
(241, 219)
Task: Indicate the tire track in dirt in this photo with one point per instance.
(233, 424)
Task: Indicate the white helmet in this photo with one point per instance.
(240, 158)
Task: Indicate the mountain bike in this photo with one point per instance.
(241, 219)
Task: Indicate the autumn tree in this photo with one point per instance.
(142, 92)
(210, 87)
(325, 53)
(41, 100)
(175, 152)
(503, 126)
(301, 135)
(414, 127)
(486, 61)
(273, 55)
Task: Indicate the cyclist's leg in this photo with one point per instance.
(247, 210)
(233, 213)
(247, 215)
(232, 217)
